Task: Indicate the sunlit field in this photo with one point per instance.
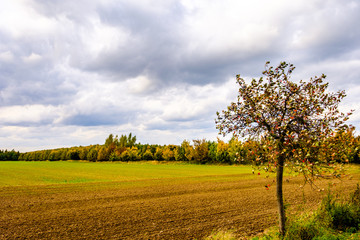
(66, 172)
(144, 200)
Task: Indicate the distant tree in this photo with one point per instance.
(92, 154)
(212, 150)
(345, 144)
(158, 154)
(134, 154)
(201, 151)
(147, 155)
(109, 140)
(222, 152)
(126, 141)
(63, 155)
(291, 118)
(179, 154)
(44, 155)
(131, 140)
(114, 157)
(102, 154)
(73, 154)
(52, 156)
(188, 150)
(125, 155)
(168, 153)
(83, 153)
(6, 155)
(235, 149)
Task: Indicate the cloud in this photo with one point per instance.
(140, 84)
(27, 114)
(15, 12)
(336, 32)
(6, 57)
(160, 69)
(33, 58)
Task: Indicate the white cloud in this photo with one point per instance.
(75, 71)
(241, 28)
(33, 58)
(7, 56)
(326, 21)
(20, 19)
(28, 114)
(102, 38)
(352, 102)
(192, 102)
(140, 84)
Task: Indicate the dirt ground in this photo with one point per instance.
(159, 211)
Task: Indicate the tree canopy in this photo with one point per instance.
(292, 119)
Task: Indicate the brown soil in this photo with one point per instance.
(159, 211)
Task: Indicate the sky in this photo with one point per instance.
(72, 72)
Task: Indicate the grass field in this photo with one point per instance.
(65, 172)
(142, 200)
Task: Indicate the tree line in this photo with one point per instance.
(200, 151)
(6, 155)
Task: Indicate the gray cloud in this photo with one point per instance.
(160, 68)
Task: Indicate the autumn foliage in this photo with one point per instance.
(295, 121)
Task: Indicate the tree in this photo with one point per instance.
(131, 140)
(290, 118)
(92, 154)
(73, 154)
(345, 144)
(188, 150)
(103, 153)
(212, 150)
(222, 153)
(168, 153)
(125, 141)
(109, 140)
(134, 154)
(201, 151)
(158, 154)
(179, 154)
(147, 155)
(83, 153)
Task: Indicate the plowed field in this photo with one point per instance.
(157, 209)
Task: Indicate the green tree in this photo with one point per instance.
(73, 154)
(158, 154)
(114, 157)
(92, 154)
(83, 153)
(212, 150)
(109, 140)
(125, 141)
(147, 155)
(63, 154)
(235, 148)
(9, 155)
(131, 140)
(290, 117)
(179, 154)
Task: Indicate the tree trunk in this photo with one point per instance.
(279, 193)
